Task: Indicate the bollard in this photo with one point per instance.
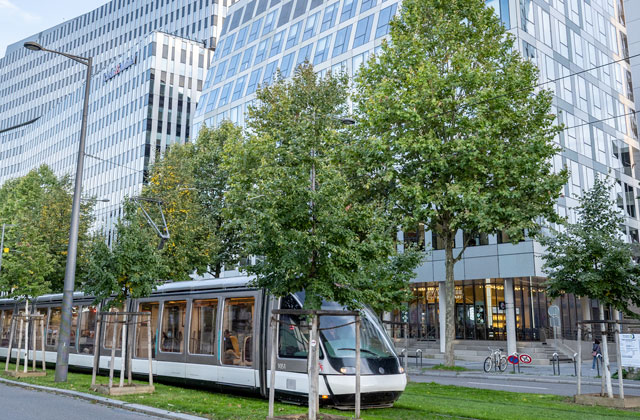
(554, 360)
(419, 351)
(575, 366)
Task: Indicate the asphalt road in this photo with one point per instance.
(25, 404)
(504, 384)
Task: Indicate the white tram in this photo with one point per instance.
(215, 333)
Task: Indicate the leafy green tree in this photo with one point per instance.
(38, 206)
(133, 266)
(293, 204)
(589, 258)
(211, 180)
(190, 182)
(454, 132)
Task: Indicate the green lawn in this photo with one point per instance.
(419, 401)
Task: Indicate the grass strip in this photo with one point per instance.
(419, 401)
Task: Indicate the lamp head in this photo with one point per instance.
(33, 46)
(347, 121)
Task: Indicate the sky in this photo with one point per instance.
(22, 18)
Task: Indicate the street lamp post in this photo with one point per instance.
(62, 361)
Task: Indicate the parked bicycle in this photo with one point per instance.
(496, 361)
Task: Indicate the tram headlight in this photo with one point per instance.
(348, 370)
(401, 369)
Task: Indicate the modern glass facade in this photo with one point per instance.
(580, 49)
(149, 62)
(480, 312)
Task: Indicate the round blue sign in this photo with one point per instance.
(513, 359)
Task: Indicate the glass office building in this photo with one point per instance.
(149, 63)
(579, 47)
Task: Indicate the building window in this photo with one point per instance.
(342, 41)
(363, 31)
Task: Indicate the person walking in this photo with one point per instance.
(595, 352)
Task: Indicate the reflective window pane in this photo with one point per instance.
(237, 324)
(172, 333)
(203, 326)
(142, 328)
(87, 339)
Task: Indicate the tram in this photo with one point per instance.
(215, 333)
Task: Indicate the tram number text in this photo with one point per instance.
(282, 366)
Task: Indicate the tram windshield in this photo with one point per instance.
(339, 337)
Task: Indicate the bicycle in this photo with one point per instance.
(496, 361)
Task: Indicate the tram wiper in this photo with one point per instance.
(364, 350)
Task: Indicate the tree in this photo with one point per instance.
(454, 131)
(190, 182)
(589, 259)
(132, 268)
(38, 206)
(293, 204)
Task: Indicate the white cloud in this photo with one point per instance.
(9, 7)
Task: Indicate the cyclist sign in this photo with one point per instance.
(525, 358)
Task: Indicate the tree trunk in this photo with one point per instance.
(605, 354)
(450, 301)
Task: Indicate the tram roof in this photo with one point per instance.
(199, 283)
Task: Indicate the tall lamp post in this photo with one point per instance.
(62, 361)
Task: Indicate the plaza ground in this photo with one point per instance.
(419, 401)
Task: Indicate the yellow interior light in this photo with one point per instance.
(325, 397)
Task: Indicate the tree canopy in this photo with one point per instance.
(190, 181)
(131, 268)
(38, 206)
(589, 258)
(294, 205)
(455, 131)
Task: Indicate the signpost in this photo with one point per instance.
(525, 358)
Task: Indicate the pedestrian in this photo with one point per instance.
(595, 352)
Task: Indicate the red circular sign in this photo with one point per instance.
(525, 358)
(513, 359)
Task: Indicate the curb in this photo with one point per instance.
(614, 382)
(137, 408)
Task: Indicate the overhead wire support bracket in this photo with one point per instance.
(163, 233)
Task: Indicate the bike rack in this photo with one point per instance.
(419, 351)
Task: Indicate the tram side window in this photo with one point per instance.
(203, 326)
(142, 349)
(237, 325)
(54, 326)
(172, 336)
(87, 339)
(112, 323)
(294, 333)
(6, 327)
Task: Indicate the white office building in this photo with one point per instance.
(149, 62)
(579, 45)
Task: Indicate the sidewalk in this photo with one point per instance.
(542, 374)
(138, 408)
